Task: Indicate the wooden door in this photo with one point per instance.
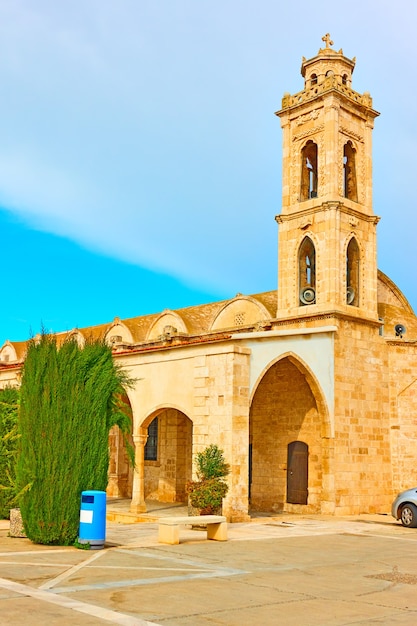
(297, 472)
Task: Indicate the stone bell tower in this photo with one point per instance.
(327, 229)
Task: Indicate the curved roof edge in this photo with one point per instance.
(395, 290)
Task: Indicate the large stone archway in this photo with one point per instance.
(284, 410)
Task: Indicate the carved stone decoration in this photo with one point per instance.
(366, 98)
(305, 222)
(308, 133)
(350, 134)
(313, 115)
(330, 82)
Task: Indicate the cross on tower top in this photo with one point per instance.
(328, 40)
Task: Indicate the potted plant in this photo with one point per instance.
(206, 493)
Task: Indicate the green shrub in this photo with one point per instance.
(70, 398)
(211, 464)
(207, 493)
(8, 449)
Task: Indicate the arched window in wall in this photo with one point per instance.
(151, 446)
(344, 79)
(307, 272)
(350, 190)
(352, 273)
(313, 79)
(309, 171)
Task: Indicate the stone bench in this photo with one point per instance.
(169, 527)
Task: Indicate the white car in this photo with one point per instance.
(404, 508)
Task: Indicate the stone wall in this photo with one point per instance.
(362, 454)
(403, 410)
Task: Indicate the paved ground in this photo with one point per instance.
(283, 570)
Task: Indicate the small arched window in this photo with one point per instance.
(309, 180)
(352, 273)
(313, 79)
(344, 79)
(350, 189)
(151, 446)
(307, 272)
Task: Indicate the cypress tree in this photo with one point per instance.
(8, 449)
(70, 398)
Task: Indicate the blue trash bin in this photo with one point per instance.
(93, 519)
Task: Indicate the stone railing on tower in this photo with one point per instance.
(329, 83)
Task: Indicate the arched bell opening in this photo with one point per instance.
(309, 178)
(350, 187)
(352, 273)
(307, 272)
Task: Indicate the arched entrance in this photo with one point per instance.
(168, 455)
(285, 430)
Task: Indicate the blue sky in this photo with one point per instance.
(140, 158)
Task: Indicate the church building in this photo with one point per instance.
(309, 389)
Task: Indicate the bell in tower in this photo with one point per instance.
(327, 229)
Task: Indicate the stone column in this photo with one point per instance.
(137, 504)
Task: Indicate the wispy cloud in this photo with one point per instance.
(146, 130)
